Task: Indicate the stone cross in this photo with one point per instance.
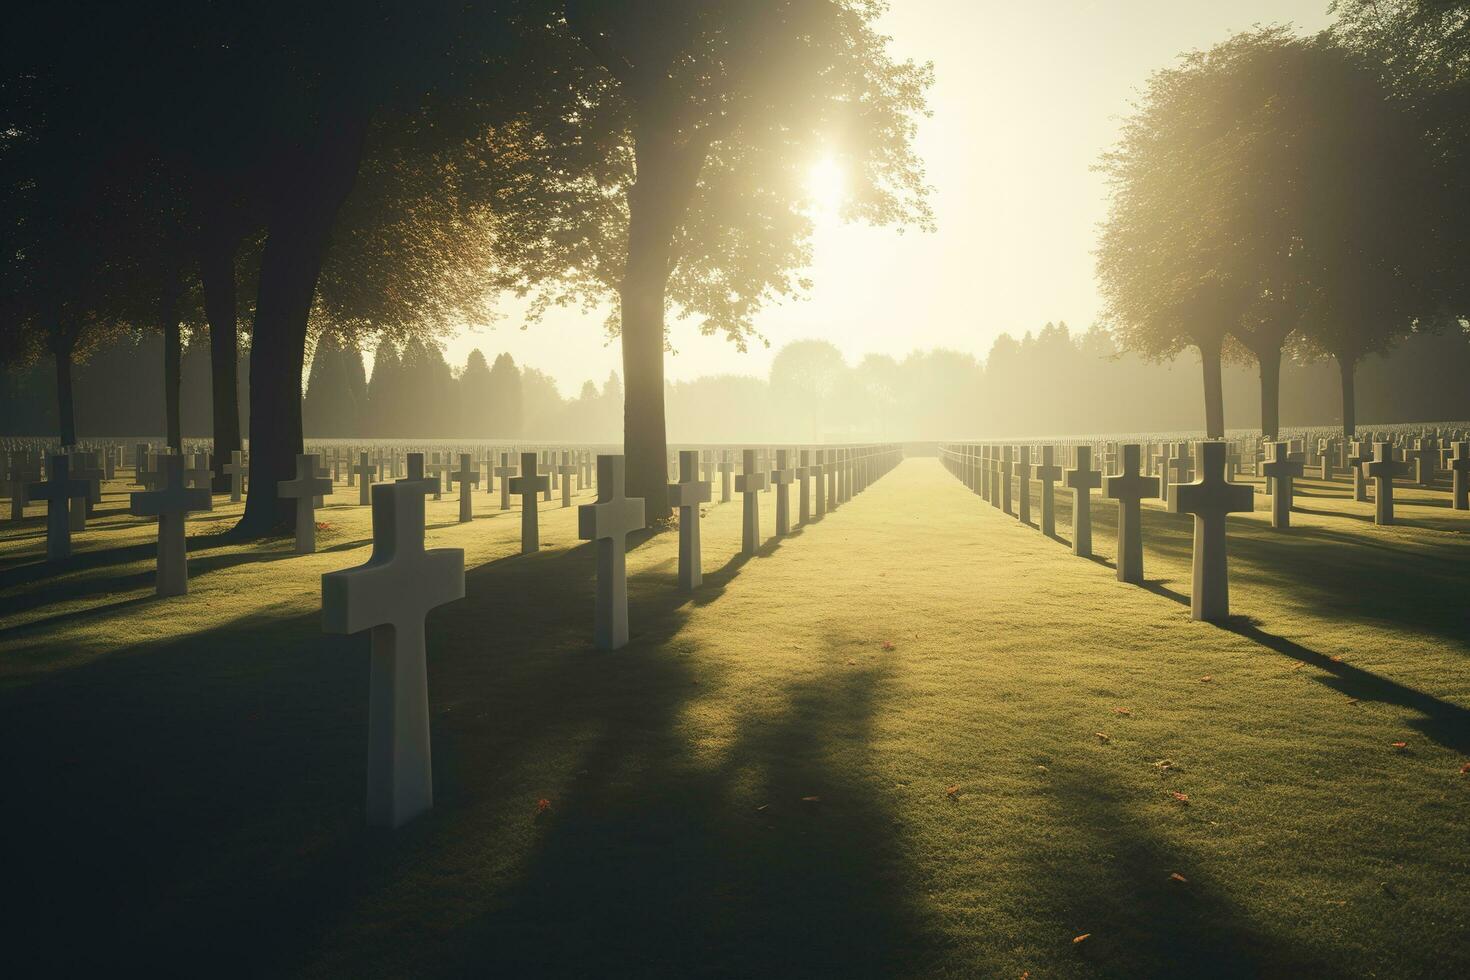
(984, 461)
(749, 484)
(549, 472)
(687, 495)
(1007, 466)
(566, 470)
(607, 524)
(63, 495)
(1083, 479)
(505, 471)
(320, 469)
(803, 483)
(1210, 498)
(1282, 470)
(526, 486)
(1381, 471)
(236, 470)
(305, 490)
(367, 471)
(1023, 484)
(1460, 477)
(819, 481)
(834, 466)
(468, 477)
(84, 466)
(201, 474)
(1129, 487)
(435, 472)
(171, 503)
(1176, 469)
(1425, 456)
(1361, 456)
(1047, 474)
(726, 466)
(391, 595)
(781, 478)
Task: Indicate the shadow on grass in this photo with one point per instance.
(196, 803)
(1113, 881)
(1441, 721)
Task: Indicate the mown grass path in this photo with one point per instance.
(915, 738)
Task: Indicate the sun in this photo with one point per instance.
(826, 184)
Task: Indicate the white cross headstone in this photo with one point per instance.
(1282, 470)
(819, 479)
(1460, 476)
(749, 484)
(366, 471)
(607, 524)
(236, 470)
(1007, 466)
(1361, 456)
(467, 477)
(726, 467)
(1129, 488)
(505, 471)
(1210, 498)
(1381, 470)
(1083, 479)
(687, 495)
(1023, 484)
(804, 484)
(526, 487)
(781, 478)
(1047, 474)
(171, 503)
(391, 595)
(63, 495)
(1425, 457)
(566, 470)
(305, 489)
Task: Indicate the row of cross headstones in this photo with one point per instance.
(995, 470)
(391, 594)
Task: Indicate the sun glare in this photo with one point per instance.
(825, 185)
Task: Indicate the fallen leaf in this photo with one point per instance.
(1044, 769)
(1401, 745)
(1176, 876)
(1465, 769)
(1103, 736)
(1181, 797)
(952, 791)
(852, 663)
(811, 799)
(888, 645)
(1078, 939)
(1335, 659)
(1164, 764)
(1207, 678)
(1122, 711)
(542, 805)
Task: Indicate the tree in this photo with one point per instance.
(675, 173)
(475, 397)
(1168, 262)
(804, 377)
(506, 416)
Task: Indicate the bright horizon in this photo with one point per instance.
(1014, 197)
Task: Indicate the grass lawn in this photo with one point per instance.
(916, 738)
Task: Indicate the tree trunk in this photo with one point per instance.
(217, 274)
(1214, 391)
(1270, 362)
(656, 204)
(168, 322)
(65, 412)
(1347, 370)
(308, 194)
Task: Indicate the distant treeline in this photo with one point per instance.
(412, 392)
(1050, 382)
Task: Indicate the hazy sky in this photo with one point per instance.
(1026, 97)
